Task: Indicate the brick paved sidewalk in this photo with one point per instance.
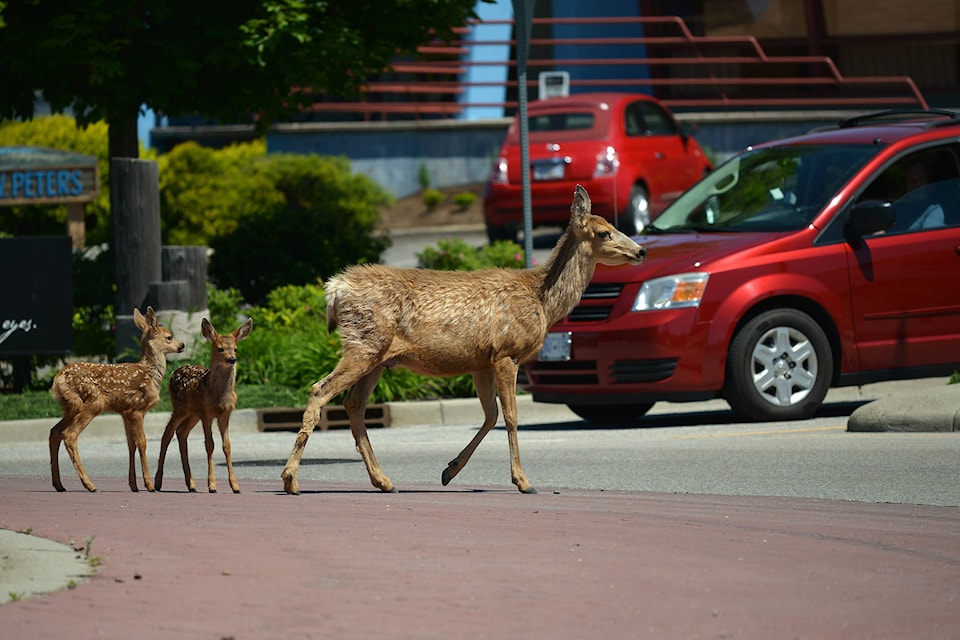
(344, 561)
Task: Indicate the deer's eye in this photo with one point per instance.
(605, 235)
(220, 349)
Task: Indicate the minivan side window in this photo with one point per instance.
(924, 188)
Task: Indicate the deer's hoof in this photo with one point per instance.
(290, 484)
(528, 490)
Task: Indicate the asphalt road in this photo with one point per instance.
(696, 448)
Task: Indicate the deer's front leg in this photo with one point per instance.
(209, 446)
(223, 423)
(506, 371)
(137, 443)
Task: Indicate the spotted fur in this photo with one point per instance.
(84, 390)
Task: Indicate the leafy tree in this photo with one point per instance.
(103, 59)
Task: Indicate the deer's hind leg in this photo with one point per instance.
(175, 421)
(349, 370)
(356, 404)
(486, 391)
(67, 431)
(183, 435)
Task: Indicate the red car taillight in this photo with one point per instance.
(499, 173)
(607, 163)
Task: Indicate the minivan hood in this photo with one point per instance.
(682, 253)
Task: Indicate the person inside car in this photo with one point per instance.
(916, 180)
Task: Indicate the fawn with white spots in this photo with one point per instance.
(86, 389)
(444, 323)
(200, 394)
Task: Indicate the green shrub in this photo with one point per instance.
(206, 193)
(290, 347)
(457, 255)
(432, 198)
(324, 221)
(464, 199)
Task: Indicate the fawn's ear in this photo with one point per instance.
(208, 331)
(243, 330)
(141, 322)
(580, 207)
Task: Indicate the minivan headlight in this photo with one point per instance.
(672, 292)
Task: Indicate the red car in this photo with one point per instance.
(824, 260)
(627, 150)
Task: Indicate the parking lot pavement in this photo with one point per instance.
(345, 561)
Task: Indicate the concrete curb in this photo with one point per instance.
(927, 410)
(924, 405)
(402, 414)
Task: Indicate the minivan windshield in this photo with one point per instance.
(779, 188)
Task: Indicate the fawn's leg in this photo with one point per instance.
(486, 391)
(168, 432)
(344, 375)
(183, 433)
(56, 437)
(506, 372)
(69, 434)
(356, 403)
(137, 442)
(209, 446)
(223, 423)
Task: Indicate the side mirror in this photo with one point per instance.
(869, 217)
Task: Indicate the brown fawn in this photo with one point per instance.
(200, 394)
(85, 390)
(444, 323)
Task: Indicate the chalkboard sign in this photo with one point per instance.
(36, 296)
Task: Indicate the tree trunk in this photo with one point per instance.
(123, 137)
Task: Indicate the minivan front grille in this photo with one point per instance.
(592, 307)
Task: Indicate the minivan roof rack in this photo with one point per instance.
(903, 114)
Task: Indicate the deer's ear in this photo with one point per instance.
(243, 330)
(138, 320)
(580, 207)
(207, 330)
(151, 317)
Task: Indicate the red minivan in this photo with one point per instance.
(823, 260)
(626, 149)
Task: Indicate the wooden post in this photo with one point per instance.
(76, 227)
(135, 231)
(188, 264)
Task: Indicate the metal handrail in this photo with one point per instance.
(421, 76)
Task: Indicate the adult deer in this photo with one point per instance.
(444, 323)
(85, 390)
(200, 394)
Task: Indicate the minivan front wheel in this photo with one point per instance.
(779, 367)
(636, 217)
